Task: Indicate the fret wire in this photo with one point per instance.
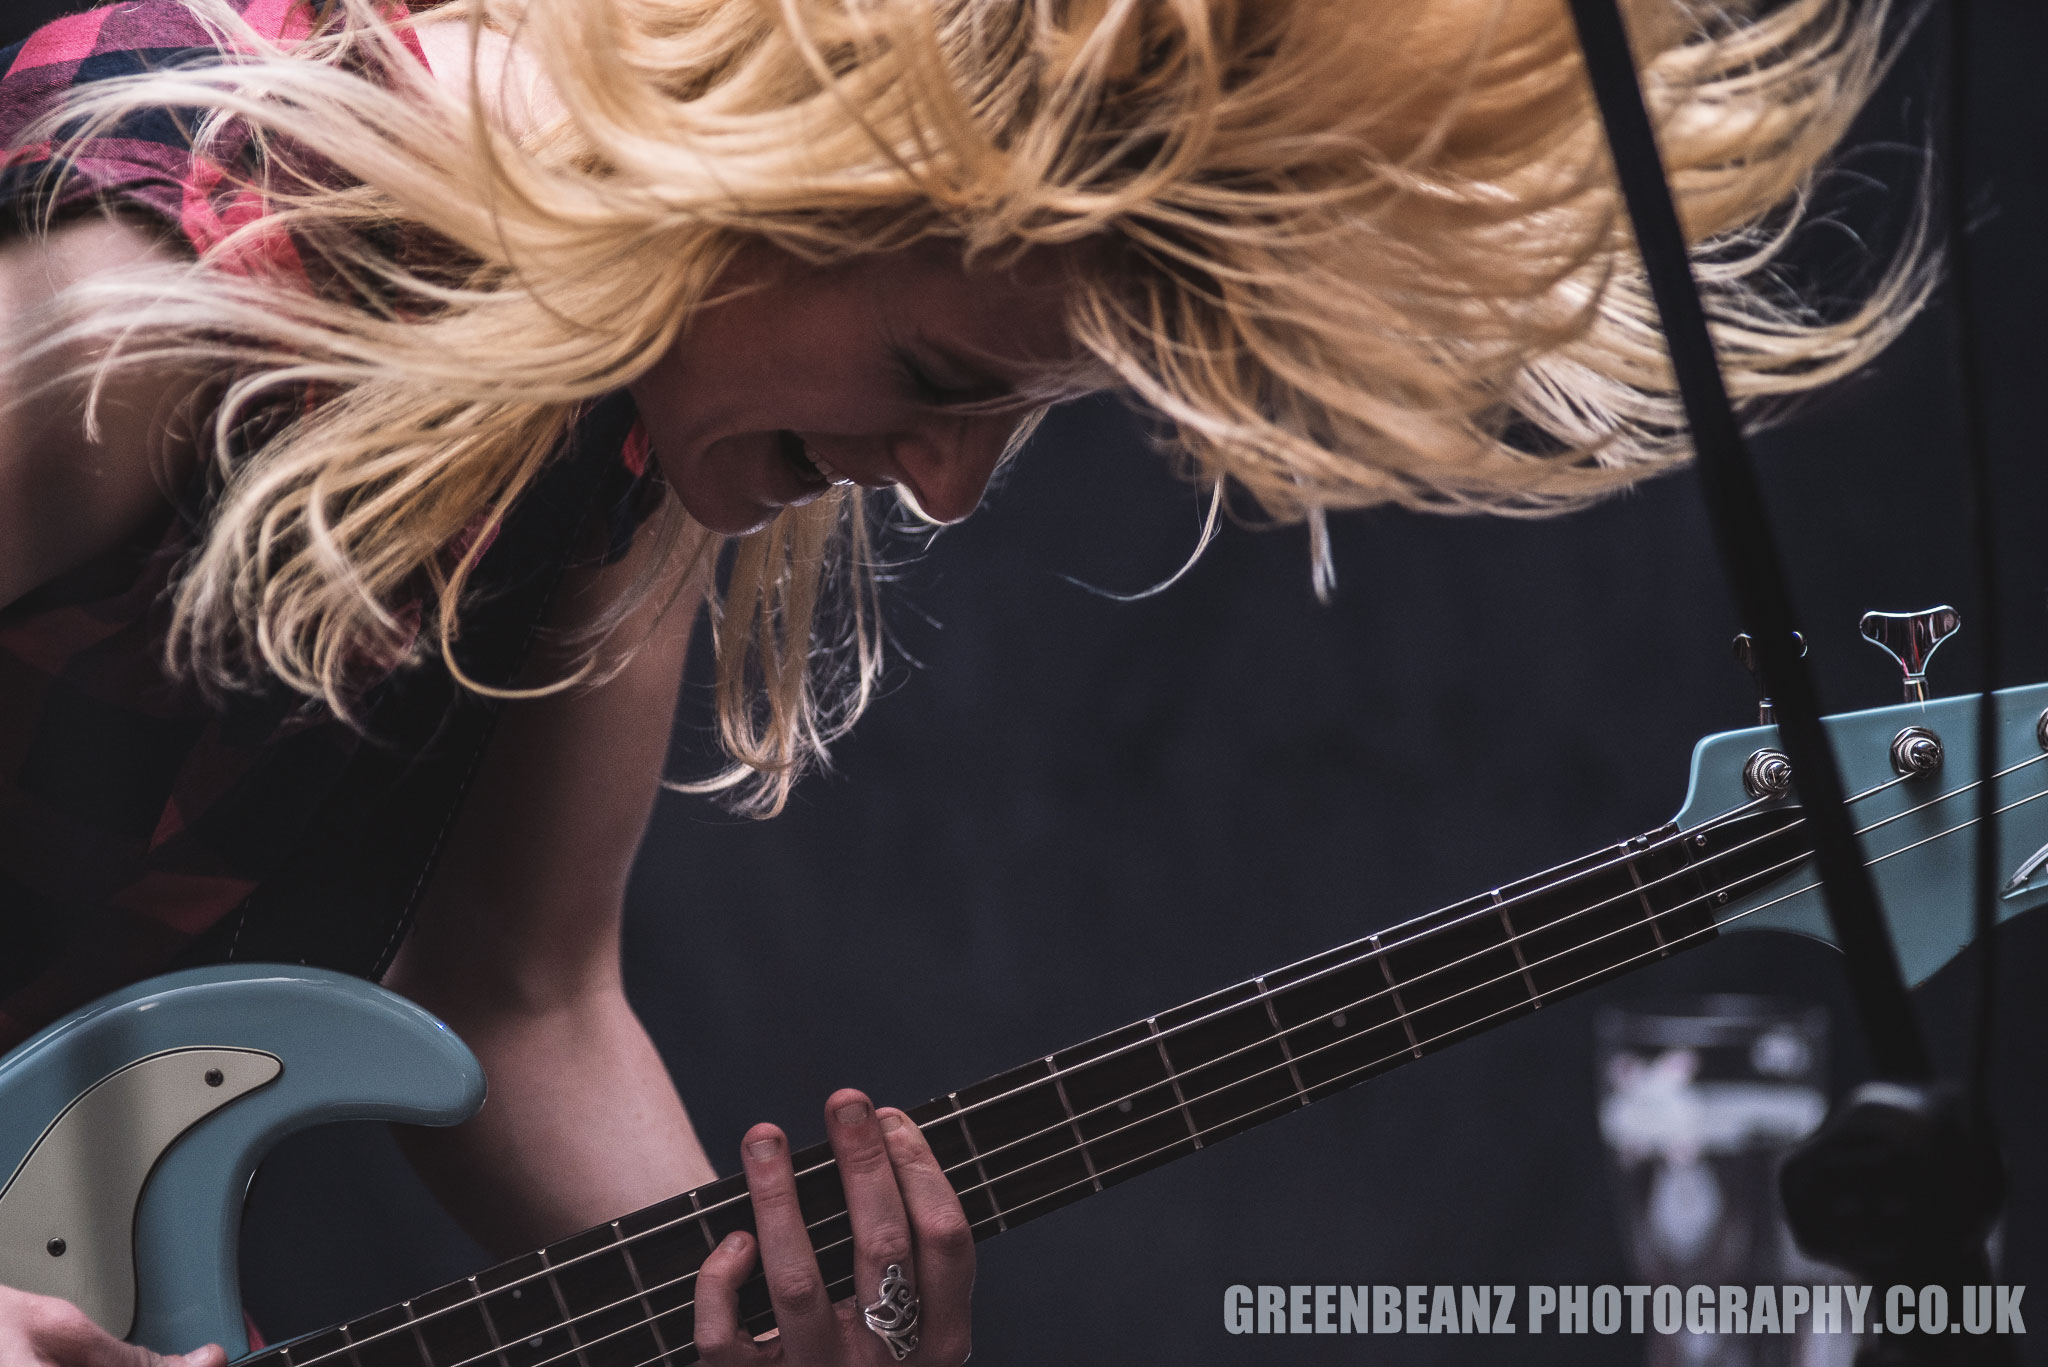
(1080, 1141)
(704, 1226)
(1559, 991)
(1416, 939)
(1366, 1067)
(1280, 1033)
(348, 1348)
(974, 1153)
(1643, 896)
(483, 1307)
(1173, 1080)
(1476, 987)
(1610, 969)
(561, 1302)
(1515, 943)
(419, 1340)
(1580, 875)
(1430, 931)
(639, 1285)
(1387, 971)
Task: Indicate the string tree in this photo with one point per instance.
(1746, 656)
(1911, 638)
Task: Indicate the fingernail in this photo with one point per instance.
(762, 1148)
(893, 1122)
(852, 1113)
(733, 1242)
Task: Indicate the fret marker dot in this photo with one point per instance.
(534, 1342)
(1124, 1106)
(517, 1293)
(1338, 1020)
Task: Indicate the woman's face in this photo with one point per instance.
(855, 372)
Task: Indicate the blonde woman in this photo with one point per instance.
(389, 390)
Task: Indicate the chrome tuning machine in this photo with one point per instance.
(1911, 638)
(1745, 655)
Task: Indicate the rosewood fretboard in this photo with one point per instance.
(1073, 1123)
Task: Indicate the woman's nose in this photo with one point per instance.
(947, 466)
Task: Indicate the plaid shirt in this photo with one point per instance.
(140, 826)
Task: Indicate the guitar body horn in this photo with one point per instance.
(129, 1131)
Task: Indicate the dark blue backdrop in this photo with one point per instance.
(1075, 812)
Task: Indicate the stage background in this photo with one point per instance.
(1074, 812)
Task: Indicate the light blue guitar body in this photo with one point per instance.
(129, 1131)
(349, 1050)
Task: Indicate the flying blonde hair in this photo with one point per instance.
(1352, 253)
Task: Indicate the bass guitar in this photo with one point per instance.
(130, 1130)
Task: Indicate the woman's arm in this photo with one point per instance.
(517, 948)
(67, 495)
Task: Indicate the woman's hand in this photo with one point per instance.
(42, 1331)
(904, 1213)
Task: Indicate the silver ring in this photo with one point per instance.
(894, 1315)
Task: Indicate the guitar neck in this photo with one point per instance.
(1073, 1123)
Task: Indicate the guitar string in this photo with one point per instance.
(1678, 838)
(1334, 968)
(1299, 1094)
(1711, 824)
(1513, 941)
(479, 1293)
(1537, 996)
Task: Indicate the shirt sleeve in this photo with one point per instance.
(142, 165)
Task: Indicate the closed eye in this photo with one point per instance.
(949, 380)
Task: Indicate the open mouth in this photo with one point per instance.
(791, 448)
(809, 468)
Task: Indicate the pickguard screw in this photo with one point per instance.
(1721, 899)
(214, 1077)
(2041, 730)
(1699, 842)
(55, 1247)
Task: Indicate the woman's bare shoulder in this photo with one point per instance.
(68, 493)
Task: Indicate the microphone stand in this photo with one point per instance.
(1902, 1183)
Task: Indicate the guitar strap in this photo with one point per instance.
(1749, 556)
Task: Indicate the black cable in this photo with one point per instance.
(1977, 461)
(1748, 554)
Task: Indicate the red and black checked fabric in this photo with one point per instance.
(146, 165)
(142, 827)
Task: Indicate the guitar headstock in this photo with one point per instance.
(1911, 775)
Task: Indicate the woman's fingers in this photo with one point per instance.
(44, 1329)
(943, 1239)
(903, 1213)
(803, 1312)
(881, 1228)
(721, 1342)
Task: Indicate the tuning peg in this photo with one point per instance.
(1745, 655)
(1911, 638)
